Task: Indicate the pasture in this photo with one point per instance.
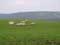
(42, 33)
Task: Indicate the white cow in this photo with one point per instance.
(20, 24)
(11, 22)
(24, 20)
(33, 23)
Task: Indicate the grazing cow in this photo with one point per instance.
(20, 24)
(11, 22)
(32, 23)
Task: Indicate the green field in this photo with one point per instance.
(42, 33)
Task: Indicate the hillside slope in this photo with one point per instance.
(33, 15)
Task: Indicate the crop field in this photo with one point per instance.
(42, 33)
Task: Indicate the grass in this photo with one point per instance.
(38, 34)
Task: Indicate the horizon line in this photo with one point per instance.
(28, 11)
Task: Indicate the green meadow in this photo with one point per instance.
(42, 33)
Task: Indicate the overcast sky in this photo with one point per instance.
(10, 6)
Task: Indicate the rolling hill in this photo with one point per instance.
(33, 15)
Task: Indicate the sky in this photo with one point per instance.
(11, 6)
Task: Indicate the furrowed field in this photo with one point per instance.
(42, 33)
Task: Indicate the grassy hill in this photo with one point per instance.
(42, 33)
